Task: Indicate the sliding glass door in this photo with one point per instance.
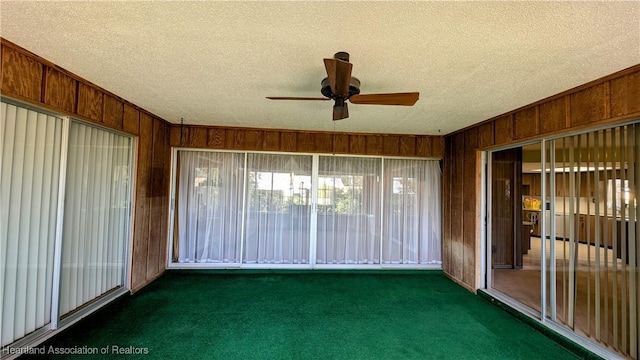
(97, 218)
(304, 211)
(30, 175)
(60, 260)
(570, 245)
(594, 287)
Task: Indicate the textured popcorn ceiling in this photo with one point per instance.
(213, 63)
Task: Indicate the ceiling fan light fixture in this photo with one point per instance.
(340, 109)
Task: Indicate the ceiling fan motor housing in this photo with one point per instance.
(354, 88)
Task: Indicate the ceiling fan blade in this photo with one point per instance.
(339, 74)
(402, 99)
(295, 98)
(340, 112)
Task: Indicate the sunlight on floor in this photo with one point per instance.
(597, 271)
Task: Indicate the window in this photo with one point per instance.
(278, 216)
(292, 210)
(618, 194)
(348, 230)
(412, 220)
(207, 212)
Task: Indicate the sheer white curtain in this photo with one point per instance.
(96, 215)
(412, 212)
(209, 207)
(29, 177)
(278, 203)
(348, 210)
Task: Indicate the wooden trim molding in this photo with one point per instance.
(252, 139)
(610, 99)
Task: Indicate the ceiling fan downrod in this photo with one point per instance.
(342, 55)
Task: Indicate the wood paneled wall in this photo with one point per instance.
(27, 77)
(212, 137)
(608, 100)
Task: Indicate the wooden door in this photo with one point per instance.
(506, 209)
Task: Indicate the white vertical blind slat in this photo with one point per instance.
(25, 222)
(634, 239)
(106, 220)
(13, 160)
(623, 243)
(37, 136)
(52, 154)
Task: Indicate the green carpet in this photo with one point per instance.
(306, 315)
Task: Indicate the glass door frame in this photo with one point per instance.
(486, 243)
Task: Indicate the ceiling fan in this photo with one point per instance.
(340, 86)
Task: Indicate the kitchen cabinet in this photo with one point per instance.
(532, 182)
(563, 182)
(563, 226)
(563, 223)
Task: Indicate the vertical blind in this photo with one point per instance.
(29, 174)
(96, 220)
(596, 268)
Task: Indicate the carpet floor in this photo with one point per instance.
(305, 315)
